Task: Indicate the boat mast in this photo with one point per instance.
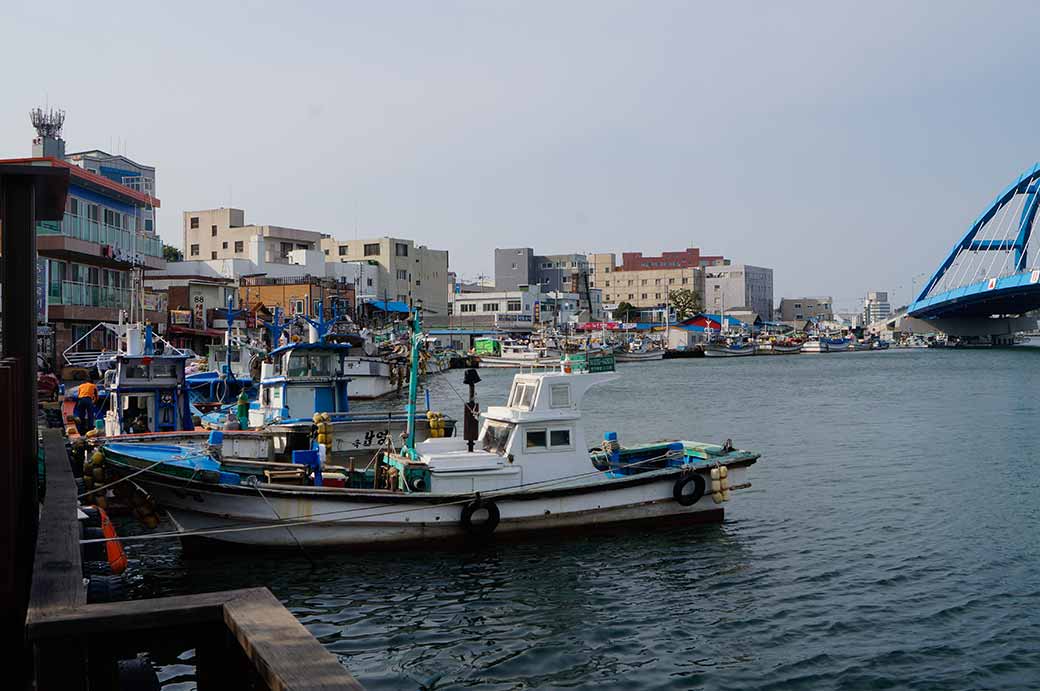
(413, 383)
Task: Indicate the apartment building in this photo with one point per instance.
(410, 272)
(644, 288)
(876, 307)
(512, 310)
(213, 234)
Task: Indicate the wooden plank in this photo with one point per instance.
(137, 615)
(57, 570)
(286, 655)
(57, 583)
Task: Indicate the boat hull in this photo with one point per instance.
(639, 357)
(713, 350)
(385, 519)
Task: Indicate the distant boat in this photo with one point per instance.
(729, 348)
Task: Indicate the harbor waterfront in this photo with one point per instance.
(888, 540)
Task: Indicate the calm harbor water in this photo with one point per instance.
(890, 541)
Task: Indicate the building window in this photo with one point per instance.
(194, 250)
(671, 281)
(468, 307)
(513, 306)
(286, 249)
(302, 246)
(372, 250)
(213, 231)
(343, 250)
(644, 296)
(326, 253)
(149, 226)
(684, 281)
(369, 282)
(400, 249)
(213, 255)
(402, 275)
(239, 245)
(490, 307)
(657, 281)
(223, 245)
(194, 222)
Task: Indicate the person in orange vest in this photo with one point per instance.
(86, 397)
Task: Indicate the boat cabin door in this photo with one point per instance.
(137, 412)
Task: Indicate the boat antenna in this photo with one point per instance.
(413, 382)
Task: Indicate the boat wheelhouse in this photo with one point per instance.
(301, 379)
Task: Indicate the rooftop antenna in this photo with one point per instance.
(48, 123)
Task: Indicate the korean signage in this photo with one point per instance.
(41, 290)
(180, 317)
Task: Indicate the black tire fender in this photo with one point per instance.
(699, 485)
(485, 528)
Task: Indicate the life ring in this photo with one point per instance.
(484, 528)
(699, 486)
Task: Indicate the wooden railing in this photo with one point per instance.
(242, 638)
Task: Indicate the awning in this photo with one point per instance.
(178, 330)
(388, 306)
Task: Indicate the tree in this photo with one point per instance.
(625, 312)
(171, 253)
(685, 302)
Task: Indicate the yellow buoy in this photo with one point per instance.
(717, 497)
(714, 473)
(716, 486)
(97, 457)
(317, 417)
(723, 471)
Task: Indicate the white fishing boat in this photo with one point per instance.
(640, 350)
(507, 353)
(528, 470)
(729, 346)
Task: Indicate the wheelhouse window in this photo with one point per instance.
(559, 438)
(496, 437)
(535, 439)
(523, 395)
(560, 396)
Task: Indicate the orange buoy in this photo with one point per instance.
(113, 548)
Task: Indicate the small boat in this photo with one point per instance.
(733, 346)
(825, 344)
(682, 353)
(529, 469)
(785, 346)
(507, 353)
(641, 350)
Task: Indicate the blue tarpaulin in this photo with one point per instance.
(389, 306)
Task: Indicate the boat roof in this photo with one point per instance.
(320, 345)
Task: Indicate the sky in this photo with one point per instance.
(845, 145)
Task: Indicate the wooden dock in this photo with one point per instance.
(243, 638)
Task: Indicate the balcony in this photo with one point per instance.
(86, 295)
(82, 228)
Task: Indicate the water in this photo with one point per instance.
(890, 541)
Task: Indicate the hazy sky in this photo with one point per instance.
(845, 145)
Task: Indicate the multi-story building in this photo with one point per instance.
(690, 257)
(212, 234)
(511, 310)
(298, 295)
(876, 307)
(412, 272)
(802, 309)
(520, 266)
(729, 287)
(646, 289)
(91, 256)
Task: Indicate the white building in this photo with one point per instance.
(510, 310)
(739, 286)
(876, 307)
